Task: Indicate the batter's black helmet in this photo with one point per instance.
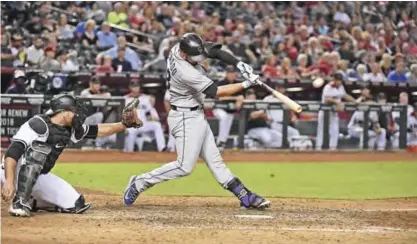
(192, 45)
(62, 102)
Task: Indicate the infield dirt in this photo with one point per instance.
(159, 219)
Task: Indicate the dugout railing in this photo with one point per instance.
(311, 106)
(16, 109)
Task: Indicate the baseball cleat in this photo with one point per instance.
(131, 193)
(256, 202)
(19, 209)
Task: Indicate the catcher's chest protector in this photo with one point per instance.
(59, 137)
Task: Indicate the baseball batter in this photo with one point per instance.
(333, 93)
(193, 136)
(36, 147)
(377, 134)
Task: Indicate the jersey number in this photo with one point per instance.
(174, 71)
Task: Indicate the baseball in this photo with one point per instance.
(318, 82)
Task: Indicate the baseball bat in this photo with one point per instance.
(289, 102)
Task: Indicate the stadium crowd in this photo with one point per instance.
(370, 41)
(362, 41)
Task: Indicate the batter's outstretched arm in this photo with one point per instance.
(214, 91)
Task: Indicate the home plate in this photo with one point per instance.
(254, 216)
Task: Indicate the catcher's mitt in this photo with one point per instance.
(130, 116)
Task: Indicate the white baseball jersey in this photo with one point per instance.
(396, 114)
(186, 82)
(276, 115)
(358, 118)
(412, 123)
(333, 92)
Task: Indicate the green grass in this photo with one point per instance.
(313, 180)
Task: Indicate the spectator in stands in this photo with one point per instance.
(118, 16)
(151, 128)
(314, 49)
(258, 126)
(130, 55)
(35, 53)
(6, 53)
(375, 75)
(386, 63)
(18, 50)
(397, 75)
(64, 30)
(346, 51)
(48, 26)
(226, 116)
(19, 83)
(106, 38)
(119, 64)
(105, 64)
(412, 74)
(270, 69)
(65, 59)
(361, 70)
(286, 71)
(89, 37)
(302, 70)
(49, 63)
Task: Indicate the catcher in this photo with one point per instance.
(35, 148)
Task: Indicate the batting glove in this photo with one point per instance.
(251, 81)
(245, 69)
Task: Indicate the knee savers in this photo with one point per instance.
(36, 156)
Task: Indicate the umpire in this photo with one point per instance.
(36, 147)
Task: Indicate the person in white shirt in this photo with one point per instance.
(375, 75)
(276, 117)
(149, 116)
(395, 139)
(333, 93)
(377, 134)
(341, 15)
(35, 53)
(65, 60)
(97, 115)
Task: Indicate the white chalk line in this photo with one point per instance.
(264, 228)
(378, 210)
(295, 229)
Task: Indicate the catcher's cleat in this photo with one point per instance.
(19, 208)
(255, 202)
(79, 208)
(56, 209)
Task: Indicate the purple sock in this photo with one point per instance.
(240, 191)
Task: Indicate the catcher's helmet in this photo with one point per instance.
(62, 102)
(192, 45)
